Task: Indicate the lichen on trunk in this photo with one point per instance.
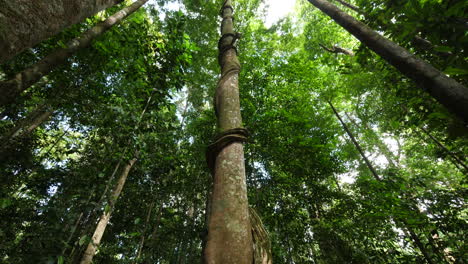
(229, 231)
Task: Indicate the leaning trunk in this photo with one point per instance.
(450, 93)
(356, 144)
(27, 23)
(28, 124)
(104, 220)
(229, 232)
(10, 89)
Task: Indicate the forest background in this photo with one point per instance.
(348, 160)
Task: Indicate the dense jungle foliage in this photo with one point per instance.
(144, 90)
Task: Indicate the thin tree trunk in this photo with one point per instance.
(76, 225)
(10, 89)
(419, 244)
(29, 123)
(143, 234)
(86, 226)
(336, 49)
(414, 237)
(356, 144)
(452, 155)
(104, 220)
(381, 145)
(25, 23)
(229, 231)
(450, 93)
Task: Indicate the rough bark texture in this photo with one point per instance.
(229, 231)
(11, 88)
(356, 144)
(25, 23)
(104, 220)
(447, 91)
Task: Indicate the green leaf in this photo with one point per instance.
(455, 71)
(137, 221)
(4, 203)
(107, 208)
(60, 260)
(82, 240)
(443, 48)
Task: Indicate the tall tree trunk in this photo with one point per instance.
(356, 144)
(76, 225)
(450, 93)
(10, 89)
(104, 220)
(391, 159)
(419, 244)
(457, 160)
(143, 233)
(229, 230)
(25, 23)
(88, 222)
(413, 235)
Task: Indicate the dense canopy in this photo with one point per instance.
(351, 157)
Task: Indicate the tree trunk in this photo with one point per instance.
(380, 144)
(356, 144)
(419, 244)
(104, 220)
(28, 124)
(25, 23)
(10, 89)
(75, 226)
(229, 231)
(450, 93)
(143, 233)
(336, 49)
(457, 160)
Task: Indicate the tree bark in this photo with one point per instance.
(104, 220)
(356, 144)
(29, 123)
(336, 49)
(10, 89)
(229, 231)
(25, 23)
(450, 93)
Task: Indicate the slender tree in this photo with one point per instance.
(10, 89)
(105, 217)
(450, 93)
(26, 23)
(356, 144)
(415, 238)
(229, 232)
(25, 126)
